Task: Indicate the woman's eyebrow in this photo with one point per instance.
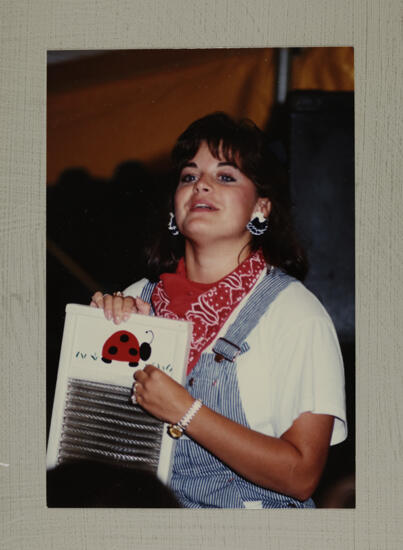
(192, 164)
(228, 163)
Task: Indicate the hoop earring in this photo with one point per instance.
(258, 224)
(172, 227)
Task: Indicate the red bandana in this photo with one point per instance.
(206, 306)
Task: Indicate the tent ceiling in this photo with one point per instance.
(108, 107)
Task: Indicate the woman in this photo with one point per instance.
(264, 395)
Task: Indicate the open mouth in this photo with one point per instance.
(202, 206)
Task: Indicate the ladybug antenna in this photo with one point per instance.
(152, 339)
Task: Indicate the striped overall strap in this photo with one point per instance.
(146, 294)
(230, 346)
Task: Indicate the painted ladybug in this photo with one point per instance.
(124, 346)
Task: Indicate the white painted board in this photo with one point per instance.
(96, 350)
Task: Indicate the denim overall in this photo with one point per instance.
(199, 479)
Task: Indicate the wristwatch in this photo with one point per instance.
(178, 429)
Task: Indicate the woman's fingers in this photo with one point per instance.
(97, 300)
(135, 397)
(160, 395)
(107, 306)
(127, 307)
(140, 376)
(102, 301)
(119, 307)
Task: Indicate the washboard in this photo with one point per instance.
(93, 417)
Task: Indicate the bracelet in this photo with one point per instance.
(177, 430)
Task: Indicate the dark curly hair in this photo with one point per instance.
(249, 147)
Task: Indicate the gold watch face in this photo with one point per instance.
(175, 431)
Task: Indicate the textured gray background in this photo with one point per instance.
(27, 30)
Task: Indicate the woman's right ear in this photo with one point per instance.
(264, 205)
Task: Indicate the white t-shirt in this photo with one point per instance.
(294, 363)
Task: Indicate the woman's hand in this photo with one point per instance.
(119, 307)
(160, 395)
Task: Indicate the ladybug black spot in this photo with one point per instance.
(112, 350)
(133, 351)
(105, 360)
(124, 338)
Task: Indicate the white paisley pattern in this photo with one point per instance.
(212, 307)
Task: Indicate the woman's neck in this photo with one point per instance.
(210, 264)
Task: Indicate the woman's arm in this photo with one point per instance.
(291, 464)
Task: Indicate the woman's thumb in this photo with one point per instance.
(142, 306)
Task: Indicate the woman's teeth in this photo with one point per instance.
(205, 206)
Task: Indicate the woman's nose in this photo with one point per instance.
(202, 185)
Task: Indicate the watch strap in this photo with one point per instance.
(177, 430)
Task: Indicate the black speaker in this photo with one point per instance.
(321, 163)
(321, 172)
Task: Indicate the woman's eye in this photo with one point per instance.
(187, 178)
(226, 178)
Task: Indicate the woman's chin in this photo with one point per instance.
(197, 226)
(200, 235)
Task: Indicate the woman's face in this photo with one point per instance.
(214, 200)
